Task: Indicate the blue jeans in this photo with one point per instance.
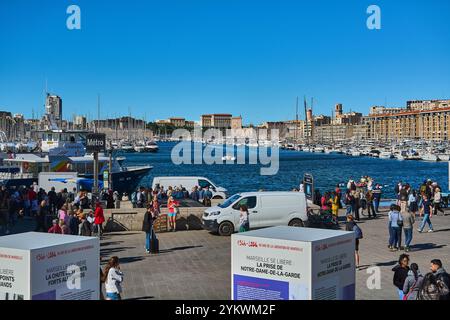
(400, 294)
(113, 296)
(349, 209)
(426, 219)
(391, 234)
(148, 239)
(395, 237)
(408, 236)
(376, 204)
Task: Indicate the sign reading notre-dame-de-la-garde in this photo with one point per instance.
(95, 142)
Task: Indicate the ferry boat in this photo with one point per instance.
(23, 169)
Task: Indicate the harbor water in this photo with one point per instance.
(327, 169)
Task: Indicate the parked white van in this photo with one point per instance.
(266, 209)
(189, 183)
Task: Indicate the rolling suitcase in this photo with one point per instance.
(154, 244)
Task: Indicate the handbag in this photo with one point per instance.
(406, 296)
(400, 223)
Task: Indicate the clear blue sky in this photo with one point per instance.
(187, 57)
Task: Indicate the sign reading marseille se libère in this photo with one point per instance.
(283, 263)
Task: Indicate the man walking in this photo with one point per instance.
(426, 211)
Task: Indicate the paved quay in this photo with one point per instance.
(196, 264)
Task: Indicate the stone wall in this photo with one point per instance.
(130, 219)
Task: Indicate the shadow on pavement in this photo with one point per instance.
(110, 243)
(178, 248)
(107, 252)
(141, 298)
(426, 246)
(131, 259)
(386, 264)
(441, 230)
(112, 234)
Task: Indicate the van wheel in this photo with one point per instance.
(217, 197)
(226, 228)
(296, 223)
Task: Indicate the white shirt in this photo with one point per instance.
(113, 283)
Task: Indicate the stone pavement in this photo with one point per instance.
(196, 264)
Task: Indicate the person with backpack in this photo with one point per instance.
(442, 278)
(437, 201)
(413, 283)
(353, 227)
(436, 284)
(401, 273)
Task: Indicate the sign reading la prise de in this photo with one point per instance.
(95, 142)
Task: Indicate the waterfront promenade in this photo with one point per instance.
(196, 264)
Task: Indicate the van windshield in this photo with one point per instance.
(229, 201)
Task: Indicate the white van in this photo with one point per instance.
(189, 183)
(266, 209)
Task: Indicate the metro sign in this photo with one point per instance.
(95, 142)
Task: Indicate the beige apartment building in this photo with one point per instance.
(218, 120)
(428, 120)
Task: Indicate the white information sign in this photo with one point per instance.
(43, 266)
(288, 263)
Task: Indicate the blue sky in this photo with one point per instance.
(188, 57)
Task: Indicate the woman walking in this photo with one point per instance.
(244, 224)
(413, 283)
(113, 279)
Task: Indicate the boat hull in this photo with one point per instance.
(122, 181)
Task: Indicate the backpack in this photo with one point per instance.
(433, 288)
(358, 232)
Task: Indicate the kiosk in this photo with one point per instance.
(289, 263)
(45, 266)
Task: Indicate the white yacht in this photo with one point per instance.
(386, 155)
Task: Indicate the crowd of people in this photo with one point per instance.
(411, 284)
(63, 212)
(142, 196)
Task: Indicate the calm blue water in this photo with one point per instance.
(328, 170)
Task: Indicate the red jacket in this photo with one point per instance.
(99, 218)
(55, 229)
